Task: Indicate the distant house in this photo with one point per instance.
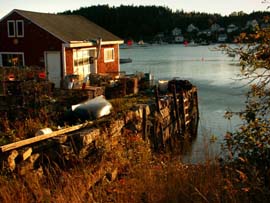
(206, 32)
(215, 27)
(222, 38)
(60, 44)
(265, 26)
(251, 24)
(192, 28)
(176, 31)
(231, 28)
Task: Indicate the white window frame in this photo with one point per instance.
(106, 59)
(17, 22)
(8, 26)
(1, 59)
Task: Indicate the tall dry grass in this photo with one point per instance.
(142, 177)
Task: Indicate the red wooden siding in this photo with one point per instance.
(69, 61)
(36, 41)
(109, 67)
(33, 44)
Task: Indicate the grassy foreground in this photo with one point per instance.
(141, 177)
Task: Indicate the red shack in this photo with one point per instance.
(61, 44)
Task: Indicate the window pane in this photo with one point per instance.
(12, 59)
(20, 28)
(11, 28)
(108, 54)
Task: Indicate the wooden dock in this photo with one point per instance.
(169, 117)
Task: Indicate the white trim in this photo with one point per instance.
(119, 66)
(112, 42)
(87, 48)
(17, 34)
(79, 44)
(64, 65)
(113, 55)
(74, 44)
(1, 59)
(14, 29)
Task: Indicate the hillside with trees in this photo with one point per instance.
(145, 22)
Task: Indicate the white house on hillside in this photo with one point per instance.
(215, 27)
(176, 31)
(192, 28)
(231, 28)
(251, 24)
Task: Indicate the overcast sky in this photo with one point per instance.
(224, 7)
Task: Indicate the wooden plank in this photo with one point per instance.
(32, 140)
(27, 153)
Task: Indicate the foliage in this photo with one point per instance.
(145, 22)
(141, 177)
(250, 144)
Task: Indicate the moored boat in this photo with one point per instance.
(125, 60)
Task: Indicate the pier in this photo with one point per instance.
(156, 118)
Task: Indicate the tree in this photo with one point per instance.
(250, 144)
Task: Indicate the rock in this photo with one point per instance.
(11, 160)
(27, 165)
(60, 139)
(111, 176)
(89, 136)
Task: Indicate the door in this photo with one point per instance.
(53, 67)
(93, 65)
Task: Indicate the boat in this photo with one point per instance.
(125, 60)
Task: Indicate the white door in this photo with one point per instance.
(93, 66)
(53, 67)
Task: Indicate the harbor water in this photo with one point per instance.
(216, 76)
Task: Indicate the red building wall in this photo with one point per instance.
(33, 44)
(69, 61)
(36, 41)
(109, 67)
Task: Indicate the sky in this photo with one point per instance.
(223, 7)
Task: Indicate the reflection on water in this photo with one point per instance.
(213, 74)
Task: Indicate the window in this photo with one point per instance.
(15, 28)
(12, 59)
(19, 28)
(82, 62)
(108, 55)
(11, 28)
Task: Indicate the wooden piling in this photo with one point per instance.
(176, 109)
(144, 124)
(157, 99)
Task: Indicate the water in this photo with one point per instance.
(214, 74)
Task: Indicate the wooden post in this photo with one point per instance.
(195, 112)
(181, 109)
(157, 99)
(176, 109)
(196, 103)
(144, 124)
